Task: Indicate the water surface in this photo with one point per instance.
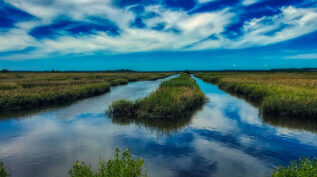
(225, 138)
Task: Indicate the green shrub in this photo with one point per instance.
(301, 168)
(3, 172)
(124, 166)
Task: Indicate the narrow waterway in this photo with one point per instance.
(226, 137)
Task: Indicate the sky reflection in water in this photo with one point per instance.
(225, 138)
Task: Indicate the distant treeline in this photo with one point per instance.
(268, 70)
(295, 70)
(74, 71)
(186, 71)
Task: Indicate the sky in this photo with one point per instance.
(157, 35)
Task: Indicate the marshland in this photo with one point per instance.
(29, 90)
(290, 95)
(174, 124)
(158, 88)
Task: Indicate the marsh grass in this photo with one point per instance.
(121, 166)
(30, 90)
(302, 168)
(175, 98)
(277, 94)
(3, 172)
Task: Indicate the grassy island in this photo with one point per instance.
(30, 90)
(277, 94)
(175, 98)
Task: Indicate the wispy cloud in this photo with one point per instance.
(307, 56)
(83, 27)
(248, 2)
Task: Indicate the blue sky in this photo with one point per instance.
(157, 34)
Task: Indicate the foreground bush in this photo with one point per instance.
(175, 98)
(278, 94)
(3, 172)
(123, 166)
(301, 168)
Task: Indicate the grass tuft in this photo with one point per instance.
(302, 168)
(121, 166)
(123, 107)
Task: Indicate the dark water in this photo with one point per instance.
(225, 138)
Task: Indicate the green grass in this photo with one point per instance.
(3, 172)
(277, 94)
(31, 90)
(120, 166)
(175, 98)
(301, 168)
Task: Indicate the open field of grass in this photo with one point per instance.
(30, 90)
(277, 94)
(175, 98)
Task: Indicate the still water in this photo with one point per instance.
(225, 138)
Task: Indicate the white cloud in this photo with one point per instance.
(205, 1)
(16, 39)
(194, 29)
(249, 2)
(298, 21)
